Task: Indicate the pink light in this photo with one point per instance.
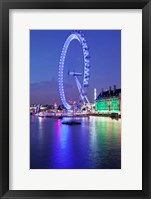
(59, 123)
(59, 127)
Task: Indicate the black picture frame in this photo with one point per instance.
(5, 5)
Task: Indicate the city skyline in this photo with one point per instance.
(45, 51)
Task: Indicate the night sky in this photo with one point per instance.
(45, 51)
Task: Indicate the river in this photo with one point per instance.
(93, 144)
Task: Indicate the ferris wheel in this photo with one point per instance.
(82, 87)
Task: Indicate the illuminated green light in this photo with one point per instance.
(102, 105)
(111, 105)
(114, 106)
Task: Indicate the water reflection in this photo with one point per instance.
(95, 144)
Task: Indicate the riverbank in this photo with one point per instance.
(61, 115)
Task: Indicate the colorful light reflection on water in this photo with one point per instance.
(95, 144)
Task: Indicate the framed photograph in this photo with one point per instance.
(75, 99)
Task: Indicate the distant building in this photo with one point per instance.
(109, 101)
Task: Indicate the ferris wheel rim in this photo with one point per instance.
(78, 35)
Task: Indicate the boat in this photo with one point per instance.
(71, 122)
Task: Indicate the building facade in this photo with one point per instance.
(109, 101)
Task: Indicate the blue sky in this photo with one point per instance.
(45, 51)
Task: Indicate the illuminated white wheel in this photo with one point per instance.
(78, 35)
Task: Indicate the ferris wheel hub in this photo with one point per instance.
(74, 74)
